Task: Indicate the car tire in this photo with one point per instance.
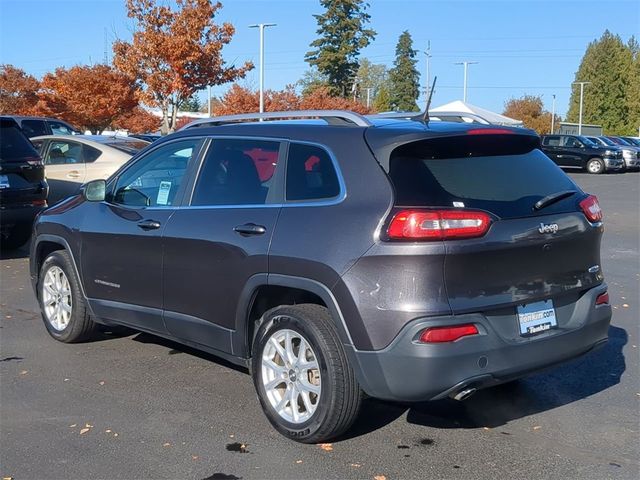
(333, 407)
(64, 310)
(595, 166)
(17, 236)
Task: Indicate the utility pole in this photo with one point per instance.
(466, 67)
(582, 84)
(369, 96)
(553, 114)
(427, 53)
(106, 53)
(262, 26)
(209, 100)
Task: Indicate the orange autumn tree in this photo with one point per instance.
(18, 91)
(90, 97)
(242, 100)
(529, 109)
(175, 53)
(138, 121)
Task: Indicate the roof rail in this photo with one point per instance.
(441, 115)
(332, 117)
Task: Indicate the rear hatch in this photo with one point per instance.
(528, 254)
(21, 170)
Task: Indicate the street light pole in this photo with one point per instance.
(553, 114)
(428, 55)
(582, 84)
(466, 67)
(262, 26)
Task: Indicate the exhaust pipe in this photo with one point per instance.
(464, 394)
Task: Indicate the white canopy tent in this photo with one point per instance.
(491, 117)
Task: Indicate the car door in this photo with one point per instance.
(572, 152)
(213, 246)
(64, 167)
(551, 147)
(121, 256)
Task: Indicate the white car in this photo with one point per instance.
(71, 161)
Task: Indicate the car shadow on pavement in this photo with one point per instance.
(10, 254)
(495, 407)
(560, 386)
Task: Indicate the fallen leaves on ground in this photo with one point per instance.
(24, 372)
(625, 305)
(355, 465)
(166, 444)
(327, 447)
(73, 426)
(101, 383)
(298, 461)
(84, 430)
(379, 477)
(537, 427)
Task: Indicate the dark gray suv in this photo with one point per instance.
(335, 257)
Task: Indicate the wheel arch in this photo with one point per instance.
(266, 291)
(44, 246)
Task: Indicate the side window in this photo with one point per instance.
(34, 128)
(63, 153)
(551, 141)
(38, 145)
(236, 172)
(90, 154)
(154, 179)
(571, 142)
(310, 173)
(59, 128)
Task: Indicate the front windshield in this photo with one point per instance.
(633, 141)
(586, 141)
(622, 141)
(607, 141)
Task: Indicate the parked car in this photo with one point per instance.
(629, 153)
(72, 161)
(36, 126)
(315, 254)
(23, 189)
(632, 140)
(575, 151)
(148, 137)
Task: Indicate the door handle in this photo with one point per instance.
(73, 174)
(250, 229)
(149, 225)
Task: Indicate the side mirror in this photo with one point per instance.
(95, 191)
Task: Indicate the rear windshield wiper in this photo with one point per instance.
(553, 198)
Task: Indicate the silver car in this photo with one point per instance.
(630, 154)
(71, 161)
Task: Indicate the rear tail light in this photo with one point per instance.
(438, 224)
(603, 299)
(490, 131)
(39, 203)
(34, 161)
(591, 209)
(447, 334)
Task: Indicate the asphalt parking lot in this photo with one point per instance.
(136, 406)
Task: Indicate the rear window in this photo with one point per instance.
(507, 185)
(128, 146)
(14, 146)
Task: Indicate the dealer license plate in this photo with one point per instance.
(4, 181)
(536, 317)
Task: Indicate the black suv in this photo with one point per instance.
(576, 151)
(404, 259)
(23, 189)
(37, 126)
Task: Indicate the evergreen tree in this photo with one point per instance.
(382, 101)
(342, 35)
(404, 76)
(633, 97)
(191, 104)
(608, 65)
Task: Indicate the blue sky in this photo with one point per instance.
(523, 47)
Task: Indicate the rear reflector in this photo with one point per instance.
(591, 209)
(438, 224)
(603, 299)
(447, 334)
(39, 203)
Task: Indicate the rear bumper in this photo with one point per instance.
(409, 371)
(23, 214)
